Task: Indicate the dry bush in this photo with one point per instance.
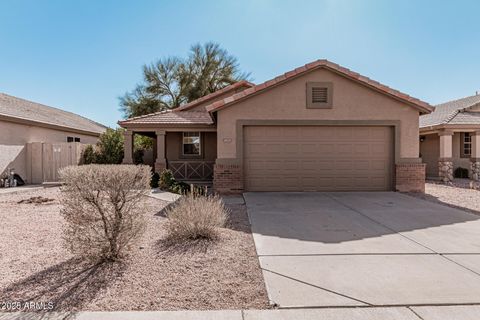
(103, 208)
(196, 217)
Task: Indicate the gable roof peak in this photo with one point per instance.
(420, 105)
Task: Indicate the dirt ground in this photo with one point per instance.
(35, 267)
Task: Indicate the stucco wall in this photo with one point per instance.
(430, 151)
(14, 136)
(173, 147)
(351, 101)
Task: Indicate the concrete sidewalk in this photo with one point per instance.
(163, 195)
(392, 313)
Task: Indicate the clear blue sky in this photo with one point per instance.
(82, 55)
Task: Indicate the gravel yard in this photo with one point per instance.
(34, 266)
(457, 195)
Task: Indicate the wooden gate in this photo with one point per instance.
(45, 159)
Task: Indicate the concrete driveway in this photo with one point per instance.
(364, 249)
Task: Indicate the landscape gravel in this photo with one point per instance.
(457, 195)
(34, 265)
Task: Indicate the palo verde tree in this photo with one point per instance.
(173, 81)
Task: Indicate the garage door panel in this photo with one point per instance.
(378, 133)
(291, 148)
(273, 148)
(379, 148)
(343, 133)
(326, 148)
(343, 149)
(318, 158)
(379, 165)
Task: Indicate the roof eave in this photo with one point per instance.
(473, 126)
(213, 95)
(423, 108)
(130, 125)
(25, 121)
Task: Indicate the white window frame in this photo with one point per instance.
(189, 134)
(466, 143)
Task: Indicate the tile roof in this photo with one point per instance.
(424, 107)
(17, 108)
(215, 94)
(172, 117)
(453, 112)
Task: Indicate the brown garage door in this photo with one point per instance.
(318, 158)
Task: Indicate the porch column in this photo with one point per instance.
(160, 161)
(475, 157)
(445, 161)
(128, 147)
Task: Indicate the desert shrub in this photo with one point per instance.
(103, 208)
(180, 187)
(108, 150)
(461, 173)
(195, 217)
(88, 155)
(166, 179)
(169, 183)
(110, 147)
(154, 180)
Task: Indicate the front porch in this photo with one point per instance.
(446, 150)
(190, 153)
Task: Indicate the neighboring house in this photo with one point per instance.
(320, 127)
(449, 138)
(24, 122)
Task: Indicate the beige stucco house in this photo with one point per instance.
(320, 127)
(449, 138)
(23, 122)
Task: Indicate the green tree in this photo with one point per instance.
(110, 146)
(174, 81)
(108, 150)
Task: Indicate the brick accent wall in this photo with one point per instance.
(410, 177)
(160, 166)
(227, 179)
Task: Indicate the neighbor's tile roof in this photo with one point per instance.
(172, 117)
(22, 109)
(453, 112)
(424, 107)
(213, 95)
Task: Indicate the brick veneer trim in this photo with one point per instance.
(160, 166)
(228, 179)
(410, 177)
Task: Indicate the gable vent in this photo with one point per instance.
(319, 95)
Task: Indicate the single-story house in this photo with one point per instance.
(23, 122)
(449, 138)
(320, 127)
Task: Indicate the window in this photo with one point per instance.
(319, 94)
(72, 139)
(466, 145)
(191, 144)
